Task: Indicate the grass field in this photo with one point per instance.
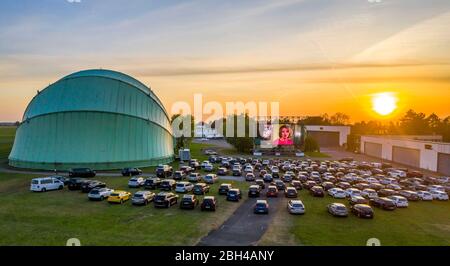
(51, 218)
(422, 223)
(6, 140)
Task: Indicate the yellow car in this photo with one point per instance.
(119, 196)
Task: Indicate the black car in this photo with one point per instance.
(279, 184)
(167, 184)
(237, 172)
(152, 183)
(383, 203)
(200, 189)
(131, 171)
(179, 175)
(362, 210)
(317, 191)
(163, 170)
(188, 202)
(268, 178)
(87, 186)
(209, 203)
(165, 199)
(75, 183)
(224, 188)
(254, 191)
(234, 194)
(81, 172)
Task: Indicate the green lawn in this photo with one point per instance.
(50, 218)
(6, 140)
(422, 223)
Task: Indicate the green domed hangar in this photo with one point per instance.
(100, 119)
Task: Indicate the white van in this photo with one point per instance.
(43, 184)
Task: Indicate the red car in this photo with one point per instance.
(272, 191)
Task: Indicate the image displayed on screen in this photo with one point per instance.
(285, 136)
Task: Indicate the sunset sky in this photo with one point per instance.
(312, 56)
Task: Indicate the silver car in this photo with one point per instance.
(338, 209)
(296, 207)
(100, 193)
(142, 197)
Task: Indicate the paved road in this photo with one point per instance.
(244, 228)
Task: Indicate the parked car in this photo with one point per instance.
(136, 182)
(63, 179)
(358, 200)
(75, 183)
(209, 168)
(362, 211)
(81, 172)
(188, 202)
(383, 203)
(337, 193)
(290, 192)
(224, 188)
(179, 175)
(268, 178)
(210, 178)
(317, 191)
(222, 171)
(254, 191)
(385, 192)
(260, 183)
(409, 195)
(131, 171)
(43, 184)
(194, 177)
(237, 172)
(250, 177)
(439, 195)
(327, 185)
(261, 206)
(296, 207)
(351, 192)
(119, 196)
(152, 183)
(309, 184)
(90, 185)
(209, 203)
(193, 163)
(167, 184)
(100, 193)
(272, 191)
(200, 189)
(165, 199)
(297, 184)
(424, 195)
(142, 197)
(163, 171)
(400, 202)
(337, 209)
(234, 194)
(184, 187)
(369, 193)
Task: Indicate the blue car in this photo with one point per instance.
(234, 194)
(261, 206)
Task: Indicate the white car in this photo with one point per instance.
(372, 180)
(388, 181)
(314, 174)
(369, 193)
(352, 192)
(439, 195)
(436, 187)
(425, 195)
(136, 182)
(337, 193)
(248, 169)
(400, 202)
(205, 163)
(194, 177)
(100, 193)
(184, 187)
(397, 173)
(210, 178)
(209, 168)
(43, 184)
(296, 207)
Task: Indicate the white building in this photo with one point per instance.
(418, 151)
(329, 136)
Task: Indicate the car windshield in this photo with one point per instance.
(160, 197)
(297, 205)
(340, 208)
(232, 192)
(35, 182)
(138, 195)
(115, 194)
(260, 205)
(180, 185)
(94, 191)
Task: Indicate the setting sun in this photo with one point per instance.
(384, 103)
